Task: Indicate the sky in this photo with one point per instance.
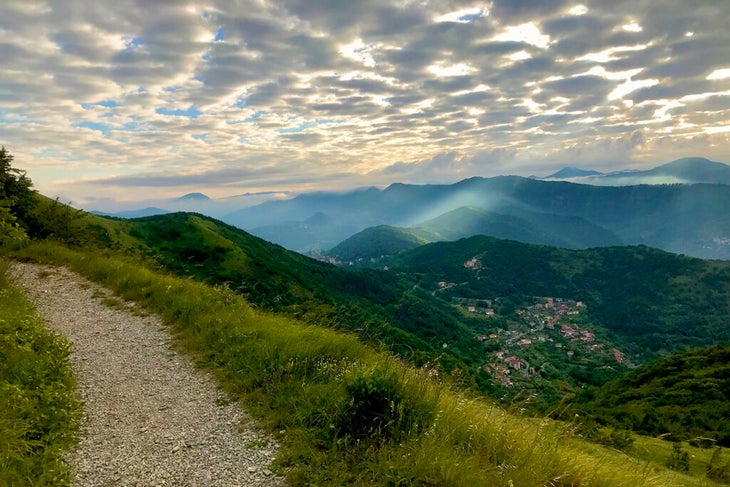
(107, 102)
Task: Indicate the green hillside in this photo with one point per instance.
(686, 394)
(639, 301)
(655, 300)
(376, 242)
(373, 243)
(513, 223)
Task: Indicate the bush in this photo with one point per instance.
(619, 439)
(679, 459)
(10, 231)
(716, 470)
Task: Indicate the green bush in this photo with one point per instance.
(10, 231)
(378, 407)
(716, 470)
(619, 439)
(679, 459)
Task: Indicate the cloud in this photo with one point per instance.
(224, 95)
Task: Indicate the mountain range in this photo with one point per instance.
(688, 170)
(688, 218)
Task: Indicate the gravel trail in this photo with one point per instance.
(150, 418)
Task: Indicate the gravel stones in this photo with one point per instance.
(150, 418)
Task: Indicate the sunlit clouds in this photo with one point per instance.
(105, 101)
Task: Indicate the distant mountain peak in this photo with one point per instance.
(690, 160)
(319, 218)
(696, 169)
(193, 197)
(573, 172)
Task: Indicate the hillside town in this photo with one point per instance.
(552, 327)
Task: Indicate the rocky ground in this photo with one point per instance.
(150, 418)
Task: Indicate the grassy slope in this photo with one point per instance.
(38, 413)
(351, 416)
(686, 394)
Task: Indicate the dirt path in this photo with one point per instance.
(150, 418)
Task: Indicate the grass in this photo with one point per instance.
(659, 451)
(346, 414)
(38, 413)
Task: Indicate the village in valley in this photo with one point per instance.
(538, 340)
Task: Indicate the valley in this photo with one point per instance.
(436, 303)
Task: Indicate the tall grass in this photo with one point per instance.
(346, 414)
(38, 412)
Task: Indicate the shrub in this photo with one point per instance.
(378, 406)
(716, 470)
(679, 459)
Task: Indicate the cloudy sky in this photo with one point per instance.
(121, 100)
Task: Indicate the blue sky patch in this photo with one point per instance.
(134, 43)
(306, 125)
(190, 112)
(220, 35)
(132, 126)
(253, 118)
(101, 127)
(103, 103)
(299, 128)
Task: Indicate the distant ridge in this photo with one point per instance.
(142, 212)
(697, 169)
(573, 172)
(193, 197)
(687, 170)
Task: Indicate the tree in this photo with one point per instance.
(16, 188)
(10, 231)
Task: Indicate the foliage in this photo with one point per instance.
(38, 413)
(686, 394)
(653, 300)
(679, 459)
(640, 300)
(716, 470)
(311, 384)
(51, 219)
(10, 231)
(16, 193)
(619, 439)
(375, 242)
(401, 309)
